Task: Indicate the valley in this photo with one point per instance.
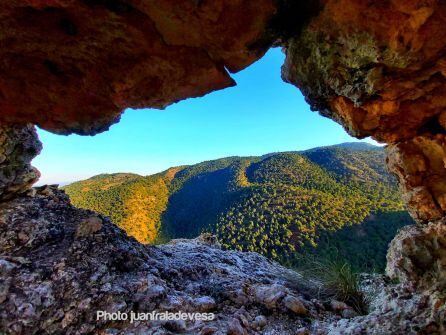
(336, 201)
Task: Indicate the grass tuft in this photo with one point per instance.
(332, 278)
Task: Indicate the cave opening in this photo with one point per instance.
(209, 165)
(376, 68)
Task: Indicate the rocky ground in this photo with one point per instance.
(59, 265)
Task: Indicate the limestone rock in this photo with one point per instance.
(176, 326)
(419, 165)
(302, 331)
(53, 280)
(269, 295)
(348, 313)
(260, 322)
(18, 146)
(395, 309)
(204, 304)
(235, 328)
(208, 330)
(417, 254)
(338, 306)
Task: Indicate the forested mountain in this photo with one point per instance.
(337, 199)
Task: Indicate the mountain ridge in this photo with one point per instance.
(346, 145)
(280, 205)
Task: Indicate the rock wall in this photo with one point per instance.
(18, 146)
(419, 164)
(417, 254)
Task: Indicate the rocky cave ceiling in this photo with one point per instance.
(377, 67)
(73, 66)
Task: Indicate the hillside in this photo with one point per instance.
(328, 200)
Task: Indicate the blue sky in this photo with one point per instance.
(262, 114)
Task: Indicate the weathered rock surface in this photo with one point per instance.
(396, 310)
(18, 146)
(377, 67)
(417, 255)
(54, 278)
(419, 164)
(73, 66)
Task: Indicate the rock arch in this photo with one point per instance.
(376, 67)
